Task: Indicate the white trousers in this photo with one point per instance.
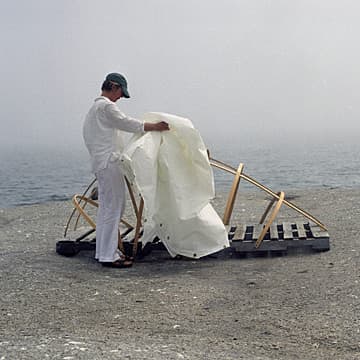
(111, 188)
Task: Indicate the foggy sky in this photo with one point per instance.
(240, 70)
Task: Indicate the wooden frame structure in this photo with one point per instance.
(266, 222)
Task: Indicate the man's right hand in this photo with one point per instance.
(160, 126)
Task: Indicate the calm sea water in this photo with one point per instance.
(36, 175)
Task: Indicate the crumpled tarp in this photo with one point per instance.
(172, 173)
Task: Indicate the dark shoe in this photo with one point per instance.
(120, 264)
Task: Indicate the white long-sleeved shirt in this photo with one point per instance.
(101, 131)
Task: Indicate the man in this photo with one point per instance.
(101, 135)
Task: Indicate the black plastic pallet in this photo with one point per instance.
(281, 237)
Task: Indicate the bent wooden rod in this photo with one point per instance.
(74, 209)
(220, 165)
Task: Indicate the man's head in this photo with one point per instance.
(115, 86)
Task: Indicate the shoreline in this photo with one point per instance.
(300, 306)
(221, 192)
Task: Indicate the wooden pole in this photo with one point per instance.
(138, 227)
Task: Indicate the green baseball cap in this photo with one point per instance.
(120, 80)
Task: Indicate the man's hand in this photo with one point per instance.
(160, 126)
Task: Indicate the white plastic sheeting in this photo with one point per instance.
(172, 173)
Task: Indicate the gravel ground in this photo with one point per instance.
(298, 306)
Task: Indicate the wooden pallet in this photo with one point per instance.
(280, 237)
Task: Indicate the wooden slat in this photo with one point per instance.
(239, 232)
(300, 230)
(288, 232)
(318, 232)
(274, 232)
(257, 230)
